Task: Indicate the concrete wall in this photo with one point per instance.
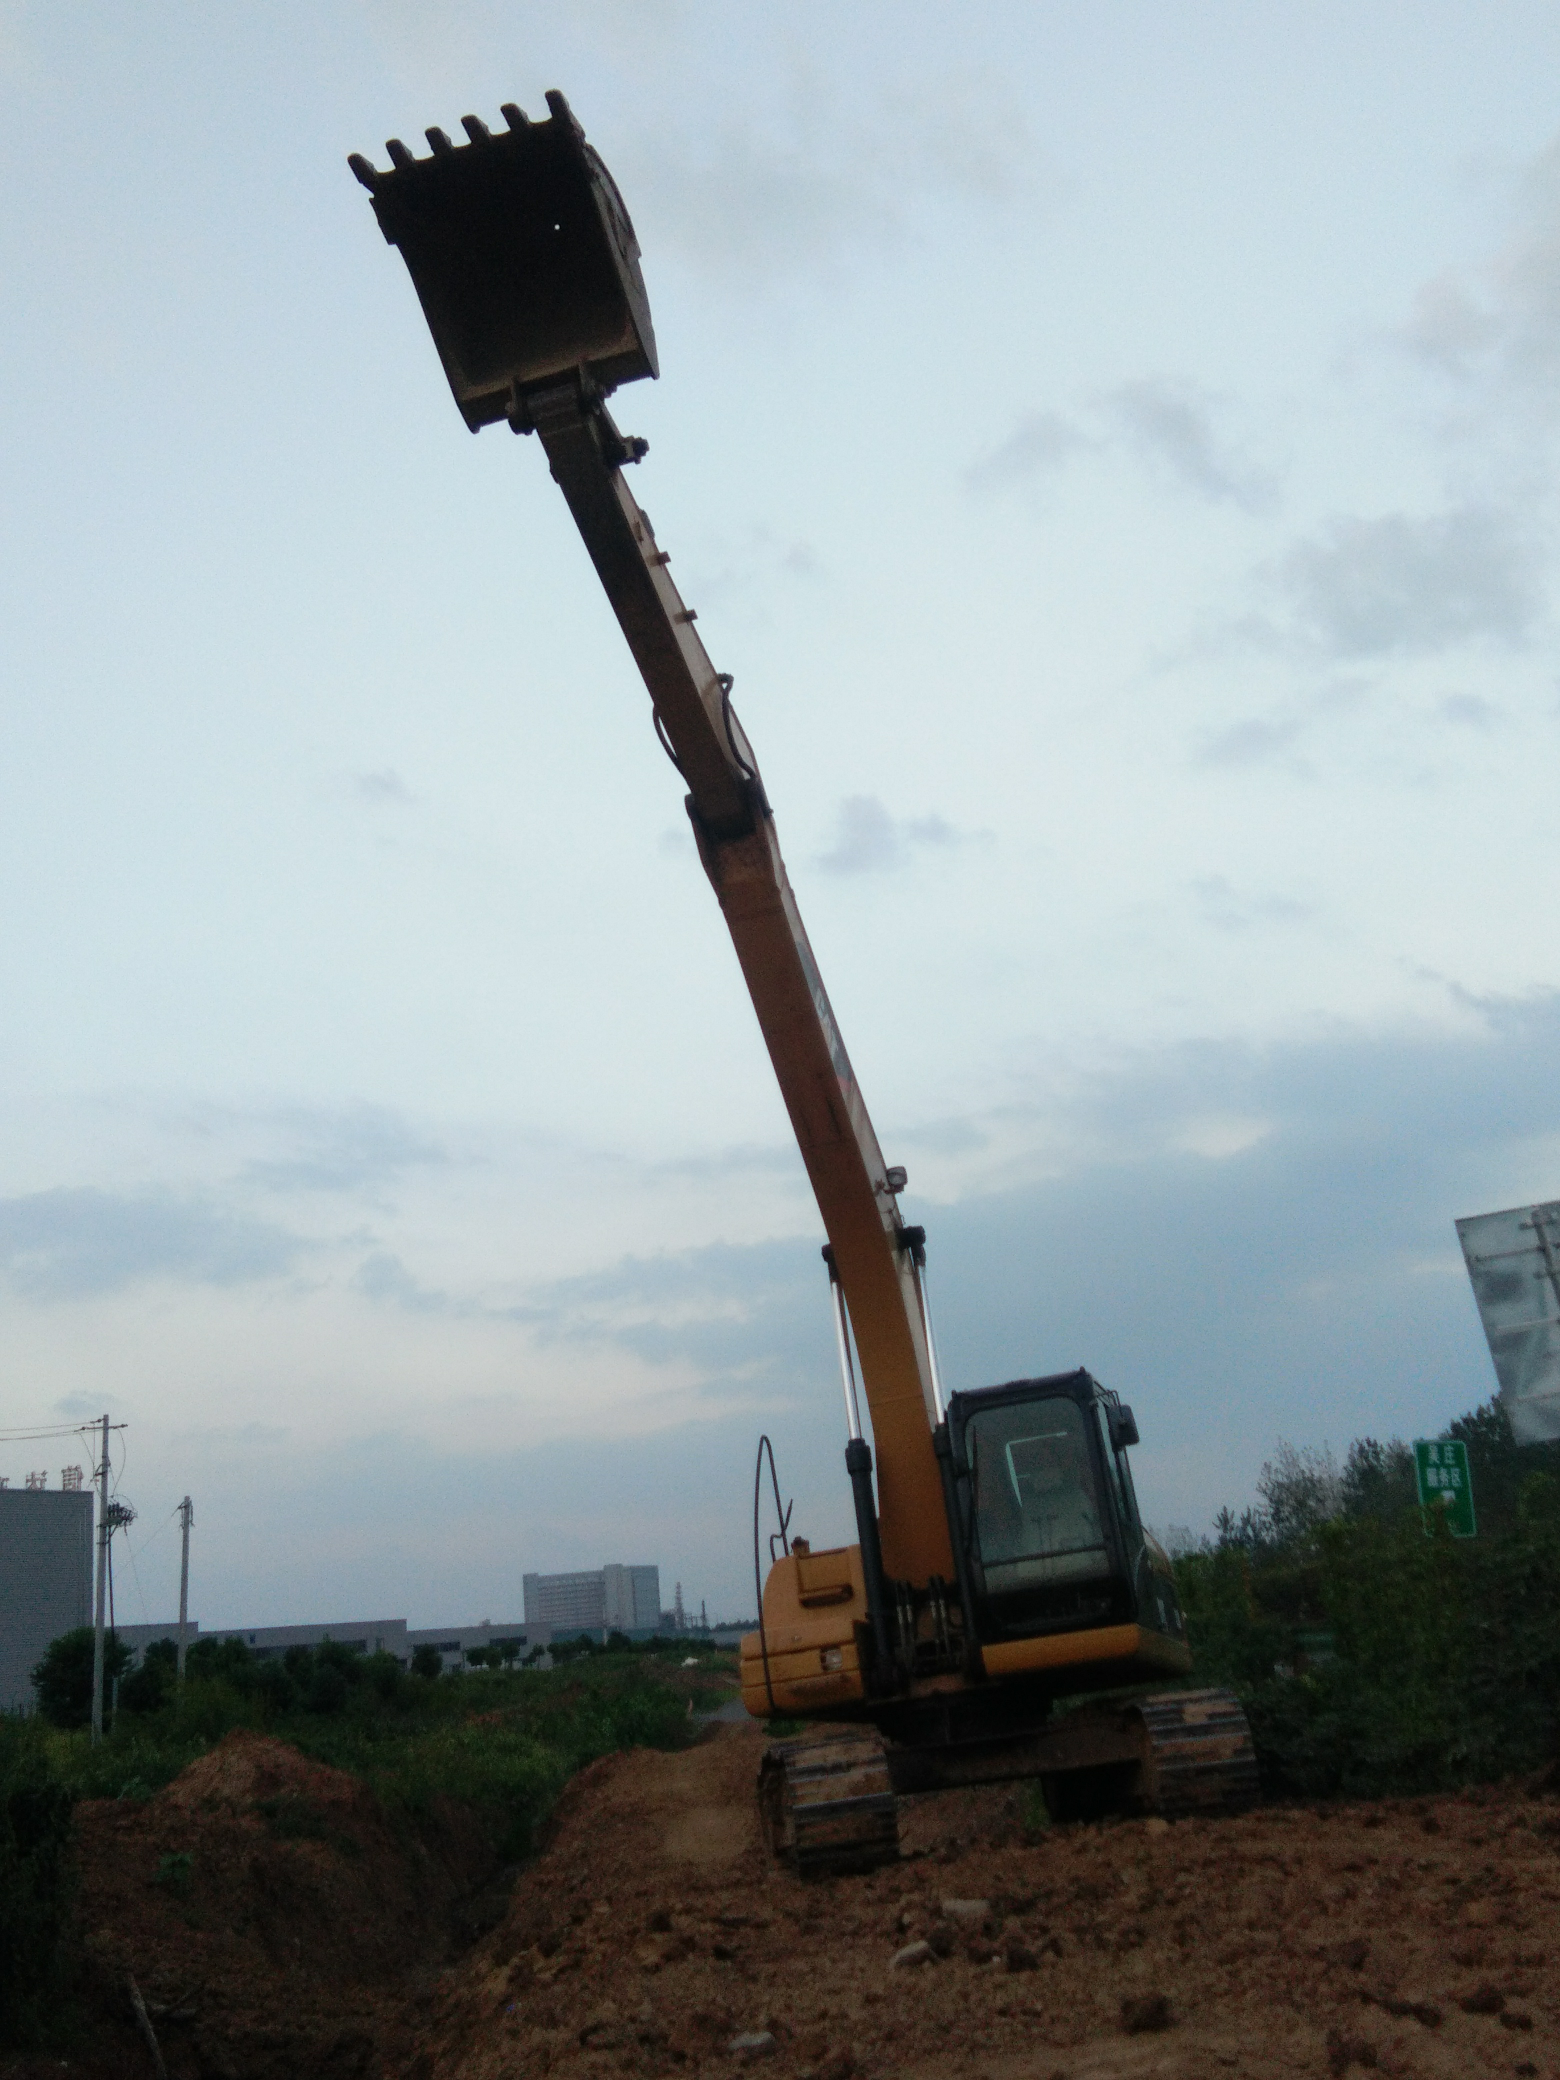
(45, 1580)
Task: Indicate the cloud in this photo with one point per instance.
(1471, 711)
(1228, 910)
(1411, 586)
(1165, 423)
(73, 1244)
(754, 1315)
(383, 1277)
(86, 1404)
(1171, 424)
(811, 183)
(384, 786)
(1040, 444)
(868, 840)
(1500, 323)
(1258, 1242)
(1254, 740)
(362, 1145)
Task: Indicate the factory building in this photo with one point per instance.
(362, 1635)
(605, 1599)
(45, 1579)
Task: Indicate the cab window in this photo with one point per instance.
(1037, 1508)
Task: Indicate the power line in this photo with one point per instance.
(61, 1430)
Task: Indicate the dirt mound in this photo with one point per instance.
(277, 1921)
(247, 1768)
(1419, 1938)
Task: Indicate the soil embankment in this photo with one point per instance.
(1414, 1938)
(274, 1919)
(277, 1923)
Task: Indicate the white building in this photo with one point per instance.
(604, 1599)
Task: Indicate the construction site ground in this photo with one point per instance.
(276, 1922)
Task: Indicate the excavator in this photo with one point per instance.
(1003, 1614)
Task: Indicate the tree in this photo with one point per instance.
(427, 1662)
(228, 1659)
(148, 1687)
(571, 1649)
(1302, 1490)
(1497, 1464)
(1378, 1479)
(62, 1680)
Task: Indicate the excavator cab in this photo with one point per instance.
(1049, 1538)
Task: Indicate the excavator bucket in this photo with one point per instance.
(523, 257)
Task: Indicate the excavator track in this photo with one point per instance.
(827, 1805)
(1198, 1754)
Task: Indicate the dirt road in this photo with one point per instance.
(654, 1936)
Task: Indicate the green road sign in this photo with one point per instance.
(1444, 1484)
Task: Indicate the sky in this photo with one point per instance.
(1112, 450)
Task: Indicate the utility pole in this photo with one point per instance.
(186, 1519)
(102, 1592)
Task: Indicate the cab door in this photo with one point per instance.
(1157, 1605)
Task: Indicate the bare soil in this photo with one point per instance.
(309, 1935)
(1413, 1938)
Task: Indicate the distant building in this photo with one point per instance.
(606, 1599)
(139, 1637)
(454, 1642)
(45, 1579)
(362, 1635)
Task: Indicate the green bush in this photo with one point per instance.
(36, 1885)
(152, 1683)
(1374, 1654)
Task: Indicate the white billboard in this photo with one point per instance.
(1513, 1259)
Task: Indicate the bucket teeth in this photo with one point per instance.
(563, 115)
(365, 170)
(476, 129)
(399, 155)
(438, 143)
(515, 117)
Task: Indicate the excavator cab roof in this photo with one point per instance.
(523, 257)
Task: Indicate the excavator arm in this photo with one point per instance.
(525, 261)
(873, 1254)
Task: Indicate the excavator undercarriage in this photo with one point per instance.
(829, 1800)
